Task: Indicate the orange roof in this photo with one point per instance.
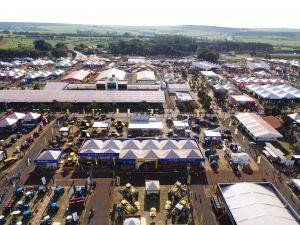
(275, 122)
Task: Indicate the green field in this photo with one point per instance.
(282, 39)
(23, 42)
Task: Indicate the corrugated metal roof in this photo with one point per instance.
(81, 96)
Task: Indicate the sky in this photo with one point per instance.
(228, 13)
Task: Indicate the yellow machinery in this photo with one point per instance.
(139, 161)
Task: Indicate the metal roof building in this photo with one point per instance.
(258, 128)
(80, 96)
(256, 203)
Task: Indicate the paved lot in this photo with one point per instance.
(22, 166)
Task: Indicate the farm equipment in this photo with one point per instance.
(177, 192)
(30, 139)
(21, 206)
(77, 200)
(46, 220)
(127, 207)
(71, 159)
(53, 206)
(42, 190)
(129, 193)
(119, 126)
(2, 219)
(181, 209)
(58, 191)
(9, 161)
(9, 205)
(19, 191)
(213, 160)
(26, 215)
(29, 195)
(36, 134)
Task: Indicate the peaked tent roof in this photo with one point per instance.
(129, 154)
(152, 185)
(151, 144)
(17, 115)
(132, 221)
(131, 144)
(112, 144)
(92, 144)
(31, 116)
(193, 154)
(172, 155)
(49, 155)
(7, 122)
(190, 144)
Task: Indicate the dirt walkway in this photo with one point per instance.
(100, 200)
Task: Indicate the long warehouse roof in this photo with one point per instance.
(83, 96)
(251, 203)
(257, 126)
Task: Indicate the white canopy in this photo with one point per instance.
(295, 117)
(252, 203)
(258, 127)
(7, 122)
(152, 185)
(17, 115)
(31, 116)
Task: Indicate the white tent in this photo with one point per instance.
(189, 144)
(17, 116)
(131, 144)
(129, 154)
(295, 117)
(153, 154)
(92, 144)
(152, 185)
(112, 144)
(31, 116)
(172, 155)
(169, 144)
(192, 154)
(251, 203)
(8, 122)
(151, 144)
(49, 155)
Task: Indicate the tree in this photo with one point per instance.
(206, 102)
(191, 106)
(143, 105)
(42, 45)
(59, 52)
(93, 105)
(60, 45)
(205, 54)
(66, 105)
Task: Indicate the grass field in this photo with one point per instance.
(282, 39)
(23, 42)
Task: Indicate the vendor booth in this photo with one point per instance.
(48, 158)
(8, 125)
(152, 187)
(142, 153)
(31, 119)
(100, 127)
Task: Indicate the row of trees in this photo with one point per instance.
(41, 49)
(181, 45)
(204, 98)
(158, 45)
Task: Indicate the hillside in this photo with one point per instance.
(286, 39)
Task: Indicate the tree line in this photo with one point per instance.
(41, 48)
(180, 46)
